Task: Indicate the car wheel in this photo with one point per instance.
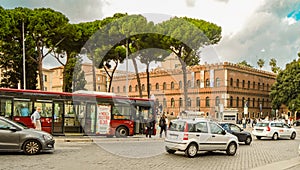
(275, 136)
(121, 132)
(192, 150)
(170, 151)
(258, 137)
(248, 140)
(31, 147)
(293, 136)
(231, 149)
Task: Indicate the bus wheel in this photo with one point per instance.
(122, 132)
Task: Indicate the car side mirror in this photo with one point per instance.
(13, 129)
(224, 132)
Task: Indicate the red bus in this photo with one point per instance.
(82, 112)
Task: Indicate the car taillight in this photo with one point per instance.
(268, 128)
(186, 135)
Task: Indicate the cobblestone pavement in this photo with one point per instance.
(111, 154)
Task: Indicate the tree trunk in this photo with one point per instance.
(148, 81)
(94, 72)
(137, 77)
(40, 67)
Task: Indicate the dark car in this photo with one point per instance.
(234, 129)
(15, 137)
(297, 123)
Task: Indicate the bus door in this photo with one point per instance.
(58, 117)
(6, 107)
(46, 114)
(90, 118)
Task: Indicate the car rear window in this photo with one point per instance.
(262, 124)
(177, 126)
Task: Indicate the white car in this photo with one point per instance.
(274, 130)
(193, 135)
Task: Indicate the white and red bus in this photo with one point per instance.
(83, 112)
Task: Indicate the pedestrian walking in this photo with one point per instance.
(163, 125)
(35, 118)
(150, 126)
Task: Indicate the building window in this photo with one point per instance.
(136, 88)
(231, 82)
(207, 83)
(207, 104)
(243, 102)
(143, 87)
(124, 88)
(198, 101)
(130, 88)
(180, 102)
(218, 82)
(172, 85)
(45, 78)
(237, 101)
(118, 89)
(231, 101)
(165, 86)
(172, 102)
(258, 86)
(237, 82)
(263, 86)
(253, 102)
(157, 86)
(98, 88)
(217, 101)
(248, 102)
(248, 84)
(189, 102)
(180, 84)
(113, 89)
(267, 87)
(165, 102)
(150, 87)
(99, 78)
(198, 83)
(243, 84)
(258, 102)
(189, 83)
(254, 85)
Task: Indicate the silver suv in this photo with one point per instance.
(193, 135)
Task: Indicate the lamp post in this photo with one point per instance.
(24, 69)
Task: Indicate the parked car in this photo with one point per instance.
(243, 136)
(274, 130)
(297, 123)
(15, 137)
(193, 135)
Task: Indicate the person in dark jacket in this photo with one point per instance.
(163, 125)
(150, 126)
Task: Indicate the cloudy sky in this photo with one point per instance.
(251, 29)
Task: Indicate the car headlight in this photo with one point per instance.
(47, 137)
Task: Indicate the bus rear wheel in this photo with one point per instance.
(122, 132)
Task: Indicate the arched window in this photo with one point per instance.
(198, 83)
(258, 86)
(198, 101)
(207, 83)
(189, 102)
(136, 88)
(253, 102)
(180, 84)
(248, 84)
(165, 102)
(172, 85)
(231, 82)
(207, 104)
(124, 88)
(254, 85)
(243, 102)
(157, 86)
(231, 101)
(217, 101)
(218, 82)
(130, 88)
(143, 87)
(243, 84)
(180, 102)
(237, 101)
(118, 89)
(172, 102)
(165, 86)
(237, 82)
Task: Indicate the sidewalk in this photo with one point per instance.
(282, 165)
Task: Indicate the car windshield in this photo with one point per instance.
(262, 124)
(177, 126)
